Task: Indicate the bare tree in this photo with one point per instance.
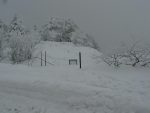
(113, 59)
(138, 55)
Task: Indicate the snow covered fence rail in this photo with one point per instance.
(73, 61)
(42, 60)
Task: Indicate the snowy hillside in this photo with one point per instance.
(59, 53)
(60, 88)
(17, 42)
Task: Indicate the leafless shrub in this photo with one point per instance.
(138, 56)
(134, 56)
(113, 59)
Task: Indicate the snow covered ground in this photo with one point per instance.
(60, 53)
(61, 88)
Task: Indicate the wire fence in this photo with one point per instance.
(43, 60)
(48, 59)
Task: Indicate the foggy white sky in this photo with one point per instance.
(107, 20)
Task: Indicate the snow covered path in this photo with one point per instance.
(70, 90)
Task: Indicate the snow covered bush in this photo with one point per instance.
(82, 39)
(17, 42)
(16, 26)
(34, 36)
(135, 56)
(58, 30)
(114, 60)
(3, 37)
(138, 56)
(21, 41)
(21, 49)
(65, 30)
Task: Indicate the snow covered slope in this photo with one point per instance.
(60, 88)
(60, 53)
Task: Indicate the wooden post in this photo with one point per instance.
(80, 60)
(45, 58)
(41, 59)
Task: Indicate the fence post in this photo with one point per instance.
(80, 60)
(45, 58)
(41, 59)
